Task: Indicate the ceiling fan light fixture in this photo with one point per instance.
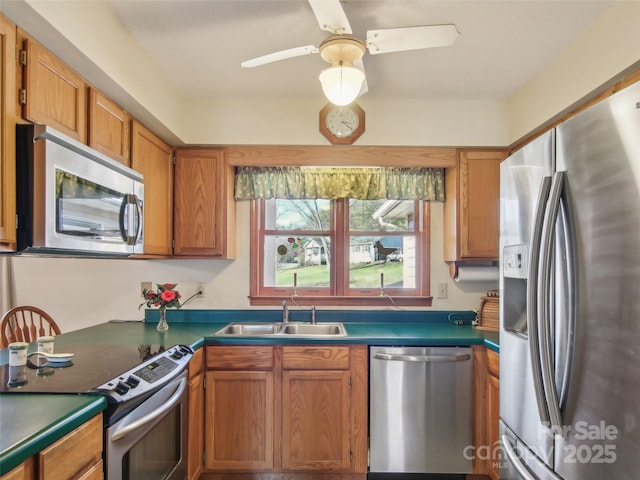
(340, 84)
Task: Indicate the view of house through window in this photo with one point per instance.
(343, 247)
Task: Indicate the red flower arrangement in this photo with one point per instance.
(165, 297)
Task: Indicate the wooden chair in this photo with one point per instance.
(26, 324)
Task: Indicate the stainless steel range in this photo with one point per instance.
(146, 390)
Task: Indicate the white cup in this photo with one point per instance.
(46, 343)
(18, 354)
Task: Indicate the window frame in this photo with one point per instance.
(337, 294)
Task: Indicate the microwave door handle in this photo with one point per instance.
(532, 300)
(126, 212)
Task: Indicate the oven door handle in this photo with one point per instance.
(173, 401)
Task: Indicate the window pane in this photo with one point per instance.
(312, 214)
(305, 260)
(386, 215)
(387, 262)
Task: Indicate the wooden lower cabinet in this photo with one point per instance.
(296, 409)
(77, 455)
(486, 387)
(24, 471)
(195, 447)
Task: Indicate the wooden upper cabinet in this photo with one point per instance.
(8, 101)
(109, 127)
(154, 159)
(471, 210)
(53, 94)
(204, 207)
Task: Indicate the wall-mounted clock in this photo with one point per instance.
(342, 125)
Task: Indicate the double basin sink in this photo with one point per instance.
(259, 329)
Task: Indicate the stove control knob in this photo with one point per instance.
(132, 381)
(121, 388)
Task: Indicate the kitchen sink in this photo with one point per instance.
(258, 329)
(251, 329)
(333, 329)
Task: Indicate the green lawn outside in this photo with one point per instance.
(361, 275)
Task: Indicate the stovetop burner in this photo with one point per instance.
(90, 367)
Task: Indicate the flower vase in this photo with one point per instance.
(163, 326)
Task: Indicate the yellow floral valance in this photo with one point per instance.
(331, 183)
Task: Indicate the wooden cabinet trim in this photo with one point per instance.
(196, 364)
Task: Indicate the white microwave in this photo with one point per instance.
(72, 199)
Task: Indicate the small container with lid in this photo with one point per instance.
(45, 344)
(18, 354)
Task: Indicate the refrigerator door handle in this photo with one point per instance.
(532, 300)
(544, 302)
(567, 344)
(515, 461)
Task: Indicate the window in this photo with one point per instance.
(340, 252)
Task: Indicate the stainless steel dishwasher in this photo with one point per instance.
(420, 409)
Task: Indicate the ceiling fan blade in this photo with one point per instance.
(281, 55)
(331, 16)
(359, 64)
(410, 38)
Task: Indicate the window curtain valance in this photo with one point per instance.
(331, 183)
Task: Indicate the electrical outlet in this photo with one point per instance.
(200, 288)
(145, 286)
(442, 290)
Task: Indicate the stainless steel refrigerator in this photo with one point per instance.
(570, 299)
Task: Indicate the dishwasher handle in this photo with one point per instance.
(421, 358)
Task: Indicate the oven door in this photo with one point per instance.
(150, 442)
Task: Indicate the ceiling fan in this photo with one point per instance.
(345, 80)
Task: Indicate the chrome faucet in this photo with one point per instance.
(313, 315)
(285, 312)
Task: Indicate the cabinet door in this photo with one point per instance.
(8, 101)
(204, 208)
(154, 159)
(55, 94)
(109, 127)
(471, 221)
(239, 420)
(479, 204)
(316, 421)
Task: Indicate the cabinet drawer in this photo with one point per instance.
(94, 473)
(315, 358)
(240, 357)
(493, 363)
(74, 454)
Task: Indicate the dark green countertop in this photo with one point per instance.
(26, 427)
(29, 423)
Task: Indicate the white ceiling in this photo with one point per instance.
(502, 44)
